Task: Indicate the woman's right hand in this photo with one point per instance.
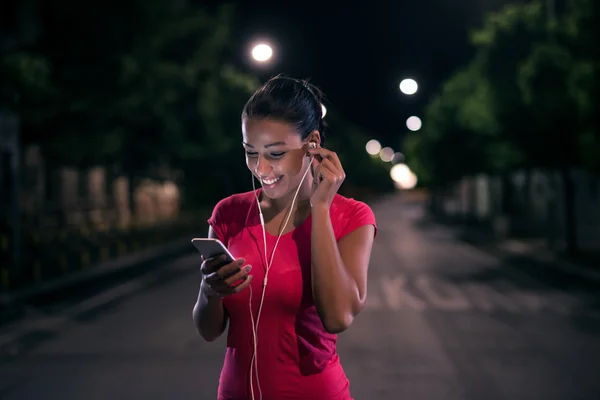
(219, 281)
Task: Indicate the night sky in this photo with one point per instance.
(358, 53)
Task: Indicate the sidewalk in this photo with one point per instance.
(586, 265)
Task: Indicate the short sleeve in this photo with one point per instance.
(358, 215)
(218, 222)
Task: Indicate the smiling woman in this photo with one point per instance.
(312, 244)
(274, 155)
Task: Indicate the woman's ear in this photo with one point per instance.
(311, 145)
(315, 137)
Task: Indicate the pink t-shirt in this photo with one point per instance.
(297, 358)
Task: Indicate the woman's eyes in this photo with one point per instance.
(272, 155)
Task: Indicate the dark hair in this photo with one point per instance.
(291, 100)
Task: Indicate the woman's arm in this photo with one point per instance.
(209, 314)
(339, 271)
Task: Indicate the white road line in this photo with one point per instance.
(396, 295)
(374, 301)
(499, 301)
(454, 300)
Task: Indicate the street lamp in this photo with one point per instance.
(373, 147)
(414, 123)
(386, 154)
(262, 52)
(409, 86)
(403, 177)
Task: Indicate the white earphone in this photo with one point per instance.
(254, 360)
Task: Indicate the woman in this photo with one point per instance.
(313, 245)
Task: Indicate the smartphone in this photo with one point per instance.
(210, 247)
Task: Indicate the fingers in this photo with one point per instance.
(209, 265)
(328, 171)
(231, 268)
(326, 154)
(242, 285)
(225, 271)
(228, 279)
(222, 288)
(213, 264)
(241, 274)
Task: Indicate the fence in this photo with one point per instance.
(526, 203)
(71, 219)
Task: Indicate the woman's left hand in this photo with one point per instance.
(328, 176)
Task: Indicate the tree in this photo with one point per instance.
(540, 84)
(528, 99)
(580, 28)
(141, 86)
(503, 44)
(461, 133)
(553, 83)
(102, 85)
(175, 97)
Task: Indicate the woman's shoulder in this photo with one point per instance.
(343, 205)
(238, 202)
(349, 214)
(229, 214)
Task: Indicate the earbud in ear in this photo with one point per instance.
(312, 145)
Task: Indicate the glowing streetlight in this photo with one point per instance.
(323, 111)
(409, 86)
(386, 154)
(414, 123)
(403, 177)
(373, 147)
(262, 52)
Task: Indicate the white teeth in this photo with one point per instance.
(270, 181)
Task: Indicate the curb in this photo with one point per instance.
(515, 247)
(550, 259)
(24, 335)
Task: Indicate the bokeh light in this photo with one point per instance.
(373, 147)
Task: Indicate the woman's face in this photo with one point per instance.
(275, 154)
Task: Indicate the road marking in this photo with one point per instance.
(424, 292)
(396, 294)
(373, 300)
(454, 300)
(535, 302)
(488, 299)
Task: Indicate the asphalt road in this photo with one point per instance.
(444, 320)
